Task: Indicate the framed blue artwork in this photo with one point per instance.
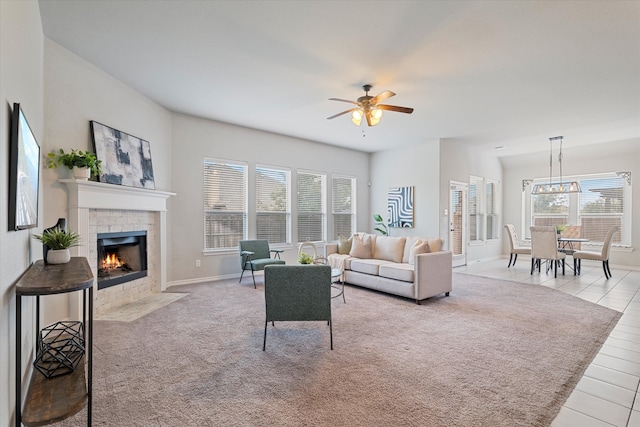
(400, 207)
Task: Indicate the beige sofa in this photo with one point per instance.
(411, 267)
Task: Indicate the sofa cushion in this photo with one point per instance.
(419, 247)
(435, 245)
(389, 248)
(397, 271)
(361, 246)
(344, 245)
(367, 266)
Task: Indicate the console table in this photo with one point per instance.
(51, 400)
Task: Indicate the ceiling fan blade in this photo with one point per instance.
(344, 100)
(339, 114)
(395, 108)
(381, 97)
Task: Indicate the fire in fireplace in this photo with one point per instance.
(122, 257)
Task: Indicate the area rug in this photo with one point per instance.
(493, 353)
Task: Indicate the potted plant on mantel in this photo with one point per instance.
(59, 242)
(83, 163)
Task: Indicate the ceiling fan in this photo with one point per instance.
(369, 107)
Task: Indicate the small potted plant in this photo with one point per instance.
(305, 259)
(83, 163)
(59, 242)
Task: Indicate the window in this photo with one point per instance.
(273, 205)
(492, 209)
(344, 205)
(483, 209)
(476, 216)
(225, 204)
(604, 202)
(311, 206)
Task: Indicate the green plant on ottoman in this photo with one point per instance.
(305, 259)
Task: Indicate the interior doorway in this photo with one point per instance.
(458, 196)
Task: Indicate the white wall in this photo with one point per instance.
(77, 92)
(21, 80)
(195, 138)
(614, 156)
(416, 166)
(457, 163)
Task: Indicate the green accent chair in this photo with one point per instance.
(297, 293)
(255, 255)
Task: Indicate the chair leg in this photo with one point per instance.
(555, 269)
(241, 274)
(264, 343)
(515, 258)
(510, 258)
(254, 278)
(608, 269)
(604, 267)
(533, 264)
(331, 333)
(575, 267)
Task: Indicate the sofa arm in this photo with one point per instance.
(433, 274)
(331, 248)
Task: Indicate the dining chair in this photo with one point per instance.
(514, 245)
(544, 246)
(603, 255)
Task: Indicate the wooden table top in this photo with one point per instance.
(46, 279)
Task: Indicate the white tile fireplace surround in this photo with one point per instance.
(95, 207)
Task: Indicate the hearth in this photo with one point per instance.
(122, 257)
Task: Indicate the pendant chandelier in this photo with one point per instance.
(556, 187)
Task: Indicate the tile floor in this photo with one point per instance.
(608, 393)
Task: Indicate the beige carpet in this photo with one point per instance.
(140, 308)
(494, 353)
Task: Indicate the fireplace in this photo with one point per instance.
(122, 257)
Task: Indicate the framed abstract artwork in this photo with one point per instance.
(126, 159)
(24, 173)
(400, 207)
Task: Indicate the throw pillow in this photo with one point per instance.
(419, 247)
(344, 245)
(361, 247)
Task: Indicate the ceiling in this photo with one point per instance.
(487, 73)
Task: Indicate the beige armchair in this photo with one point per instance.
(514, 244)
(603, 256)
(544, 245)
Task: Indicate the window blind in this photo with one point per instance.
(311, 206)
(225, 203)
(343, 206)
(273, 204)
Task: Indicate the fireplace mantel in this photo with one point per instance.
(84, 196)
(99, 195)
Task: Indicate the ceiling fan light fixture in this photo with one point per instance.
(369, 107)
(375, 116)
(356, 117)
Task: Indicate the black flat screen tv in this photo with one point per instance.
(24, 173)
